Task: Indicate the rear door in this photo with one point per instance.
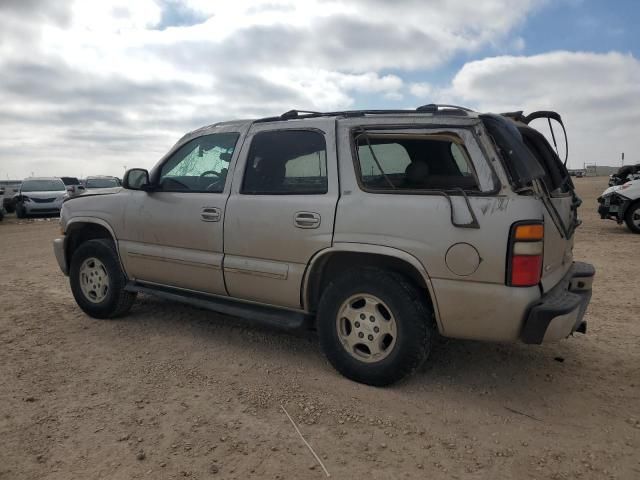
(281, 209)
(559, 195)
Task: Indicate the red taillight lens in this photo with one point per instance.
(525, 254)
(525, 270)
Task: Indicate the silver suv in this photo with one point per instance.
(40, 195)
(378, 228)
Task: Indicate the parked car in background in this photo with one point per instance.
(625, 174)
(40, 196)
(2, 204)
(380, 228)
(102, 181)
(74, 187)
(622, 204)
(9, 199)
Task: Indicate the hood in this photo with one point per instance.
(55, 194)
(624, 189)
(92, 192)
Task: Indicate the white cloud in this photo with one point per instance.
(421, 90)
(88, 86)
(598, 96)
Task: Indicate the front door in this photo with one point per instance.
(174, 235)
(281, 209)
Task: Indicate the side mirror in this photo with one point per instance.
(136, 179)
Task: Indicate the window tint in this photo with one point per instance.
(286, 162)
(414, 162)
(200, 165)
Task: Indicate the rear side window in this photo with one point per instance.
(286, 162)
(396, 162)
(556, 176)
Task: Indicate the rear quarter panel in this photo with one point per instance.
(475, 304)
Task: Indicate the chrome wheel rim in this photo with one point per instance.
(94, 280)
(366, 328)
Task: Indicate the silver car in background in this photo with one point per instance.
(40, 196)
(101, 181)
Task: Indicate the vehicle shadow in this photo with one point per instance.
(456, 366)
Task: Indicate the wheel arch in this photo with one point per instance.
(81, 229)
(628, 208)
(329, 263)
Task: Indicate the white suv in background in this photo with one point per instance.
(40, 196)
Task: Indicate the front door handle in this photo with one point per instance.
(210, 214)
(307, 219)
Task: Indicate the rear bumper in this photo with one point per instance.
(560, 311)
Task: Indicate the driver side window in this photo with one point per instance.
(200, 165)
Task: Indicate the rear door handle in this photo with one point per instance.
(210, 214)
(307, 219)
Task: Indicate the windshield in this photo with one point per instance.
(42, 185)
(102, 183)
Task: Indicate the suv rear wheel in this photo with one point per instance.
(97, 281)
(374, 326)
(632, 217)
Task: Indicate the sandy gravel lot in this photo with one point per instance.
(175, 392)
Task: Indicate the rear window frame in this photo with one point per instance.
(419, 130)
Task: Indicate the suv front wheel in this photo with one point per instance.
(632, 217)
(375, 327)
(97, 281)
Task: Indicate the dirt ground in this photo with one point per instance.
(171, 391)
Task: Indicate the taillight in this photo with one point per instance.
(524, 264)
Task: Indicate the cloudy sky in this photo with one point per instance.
(87, 87)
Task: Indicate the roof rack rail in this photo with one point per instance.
(435, 108)
(430, 108)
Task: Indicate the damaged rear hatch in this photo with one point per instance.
(535, 167)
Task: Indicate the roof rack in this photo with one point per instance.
(431, 108)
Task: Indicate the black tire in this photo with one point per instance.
(20, 211)
(407, 304)
(117, 301)
(633, 210)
